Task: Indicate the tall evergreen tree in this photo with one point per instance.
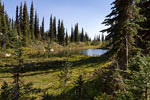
(21, 20)
(36, 27)
(4, 27)
(76, 33)
(145, 31)
(72, 35)
(103, 37)
(82, 35)
(17, 20)
(54, 27)
(51, 30)
(32, 21)
(122, 30)
(59, 31)
(25, 26)
(42, 29)
(67, 38)
(62, 33)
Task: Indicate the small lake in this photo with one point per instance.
(86, 52)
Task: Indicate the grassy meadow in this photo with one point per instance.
(46, 71)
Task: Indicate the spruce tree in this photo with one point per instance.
(32, 21)
(54, 27)
(42, 29)
(72, 35)
(51, 30)
(4, 27)
(144, 32)
(58, 29)
(76, 33)
(102, 37)
(21, 20)
(25, 26)
(82, 36)
(67, 38)
(36, 27)
(17, 20)
(62, 33)
(123, 28)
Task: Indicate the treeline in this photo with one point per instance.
(100, 38)
(129, 39)
(26, 27)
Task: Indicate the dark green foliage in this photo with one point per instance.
(76, 33)
(139, 84)
(25, 26)
(21, 20)
(79, 88)
(61, 32)
(54, 27)
(36, 27)
(143, 40)
(42, 30)
(32, 22)
(8, 92)
(51, 30)
(17, 20)
(123, 28)
(5, 91)
(82, 37)
(103, 38)
(67, 38)
(86, 37)
(72, 35)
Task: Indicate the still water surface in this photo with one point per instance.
(86, 52)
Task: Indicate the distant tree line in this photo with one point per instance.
(26, 27)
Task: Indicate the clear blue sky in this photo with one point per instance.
(88, 13)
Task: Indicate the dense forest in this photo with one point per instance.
(27, 28)
(32, 69)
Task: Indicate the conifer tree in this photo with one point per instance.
(59, 33)
(32, 21)
(123, 28)
(76, 33)
(21, 20)
(42, 29)
(67, 38)
(51, 30)
(72, 35)
(86, 37)
(36, 27)
(25, 26)
(62, 33)
(82, 35)
(102, 37)
(4, 27)
(54, 27)
(144, 40)
(17, 20)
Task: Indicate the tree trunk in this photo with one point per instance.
(127, 51)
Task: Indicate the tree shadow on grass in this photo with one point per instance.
(57, 65)
(93, 61)
(100, 85)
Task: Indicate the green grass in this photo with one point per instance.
(44, 72)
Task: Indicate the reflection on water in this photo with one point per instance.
(93, 52)
(86, 52)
